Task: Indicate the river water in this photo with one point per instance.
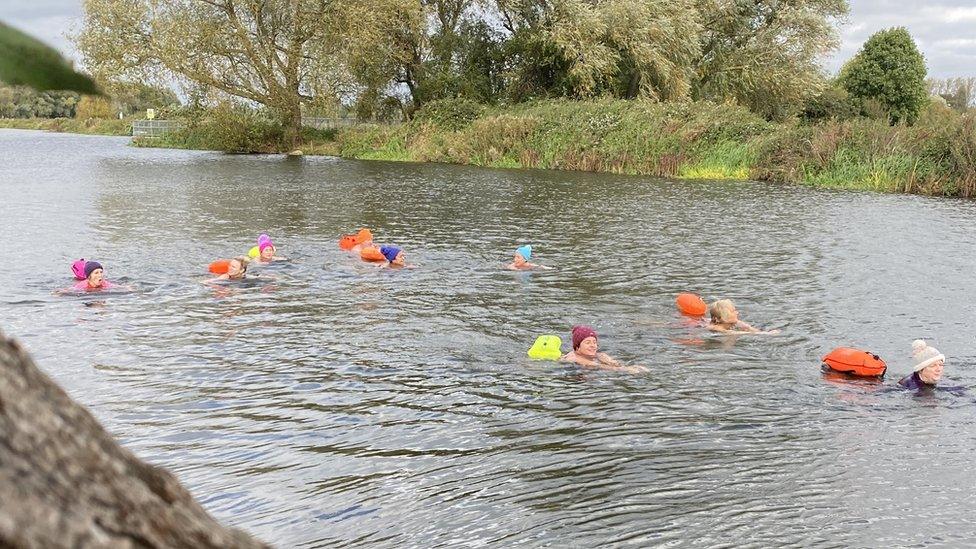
(341, 404)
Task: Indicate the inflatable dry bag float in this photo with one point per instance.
(691, 305)
(855, 362)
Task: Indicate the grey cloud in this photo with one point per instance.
(942, 29)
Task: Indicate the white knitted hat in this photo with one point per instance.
(924, 355)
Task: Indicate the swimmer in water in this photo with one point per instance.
(94, 278)
(236, 270)
(266, 252)
(521, 260)
(394, 257)
(91, 278)
(586, 353)
(929, 363)
(725, 319)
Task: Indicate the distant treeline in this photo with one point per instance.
(125, 99)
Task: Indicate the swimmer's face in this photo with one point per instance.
(398, 260)
(932, 373)
(519, 260)
(733, 315)
(235, 269)
(268, 253)
(588, 347)
(95, 278)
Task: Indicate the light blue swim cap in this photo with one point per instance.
(524, 251)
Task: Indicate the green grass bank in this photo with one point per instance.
(936, 156)
(91, 126)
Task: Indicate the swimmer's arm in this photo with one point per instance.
(749, 329)
(608, 360)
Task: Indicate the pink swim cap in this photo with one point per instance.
(78, 269)
(265, 244)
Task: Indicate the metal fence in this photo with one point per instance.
(328, 123)
(153, 128)
(156, 128)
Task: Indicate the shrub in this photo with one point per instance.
(833, 103)
(889, 69)
(450, 114)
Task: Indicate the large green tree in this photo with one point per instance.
(585, 48)
(889, 69)
(278, 53)
(765, 53)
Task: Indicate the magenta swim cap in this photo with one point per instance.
(78, 269)
(265, 244)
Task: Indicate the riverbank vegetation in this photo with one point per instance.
(689, 88)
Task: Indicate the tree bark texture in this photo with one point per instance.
(65, 482)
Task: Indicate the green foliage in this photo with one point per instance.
(93, 107)
(28, 62)
(831, 103)
(618, 48)
(890, 70)
(229, 128)
(765, 54)
(450, 114)
(23, 102)
(936, 156)
(90, 126)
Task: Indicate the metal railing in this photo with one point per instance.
(153, 128)
(328, 123)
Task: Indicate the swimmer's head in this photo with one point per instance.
(585, 341)
(929, 362)
(723, 312)
(237, 267)
(266, 250)
(393, 254)
(522, 254)
(94, 272)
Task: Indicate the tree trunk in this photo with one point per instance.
(292, 122)
(65, 482)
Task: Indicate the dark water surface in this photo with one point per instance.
(340, 404)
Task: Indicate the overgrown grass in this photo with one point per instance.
(93, 126)
(686, 140)
(690, 140)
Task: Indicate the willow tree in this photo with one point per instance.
(765, 53)
(584, 48)
(278, 53)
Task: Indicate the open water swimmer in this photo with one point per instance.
(586, 352)
(520, 262)
(725, 319)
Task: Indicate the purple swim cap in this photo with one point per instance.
(390, 252)
(263, 238)
(90, 267)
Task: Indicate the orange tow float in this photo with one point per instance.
(348, 241)
(219, 267)
(855, 362)
(371, 253)
(691, 305)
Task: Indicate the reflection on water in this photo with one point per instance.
(338, 403)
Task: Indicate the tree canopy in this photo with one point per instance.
(889, 69)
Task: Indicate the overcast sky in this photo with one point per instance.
(944, 29)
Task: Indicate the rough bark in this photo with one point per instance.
(65, 482)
